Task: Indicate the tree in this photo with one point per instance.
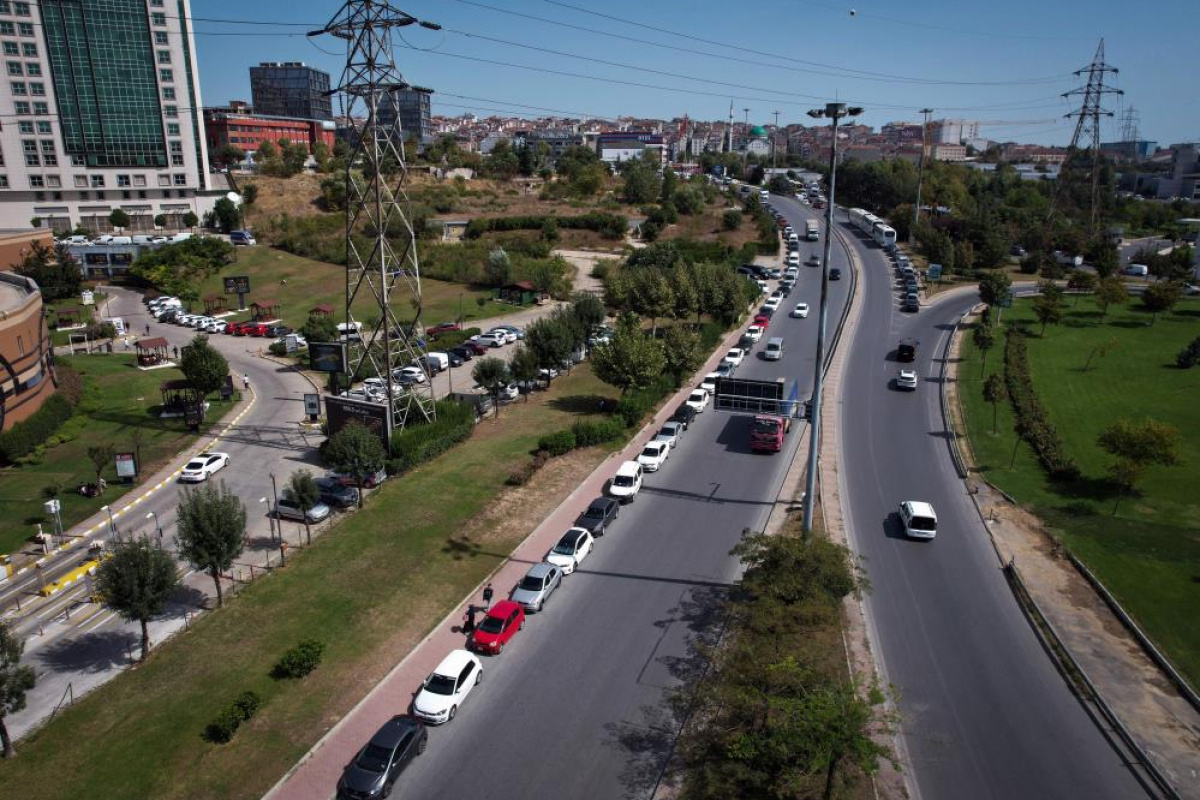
(1082, 282)
(249, 193)
(994, 392)
(1161, 297)
(118, 218)
(686, 293)
(302, 492)
(101, 455)
(319, 328)
(267, 151)
(670, 183)
(523, 367)
(203, 366)
(731, 220)
(630, 360)
(1106, 260)
(228, 215)
(642, 181)
(190, 220)
(160, 220)
(15, 681)
(984, 339)
(652, 296)
(320, 154)
(357, 452)
(211, 530)
(589, 310)
(683, 352)
(1137, 446)
(1110, 292)
(498, 269)
(136, 582)
(230, 154)
(994, 286)
(553, 338)
(502, 163)
(54, 270)
(1048, 310)
(493, 375)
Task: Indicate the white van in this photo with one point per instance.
(919, 518)
(350, 331)
(774, 350)
(121, 240)
(626, 484)
(441, 359)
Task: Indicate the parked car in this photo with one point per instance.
(203, 467)
(709, 382)
(671, 432)
(508, 335)
(735, 357)
(241, 238)
(572, 548)
(535, 588)
(492, 339)
(287, 509)
(276, 331)
(371, 482)
(698, 400)
(763, 321)
(462, 353)
(599, 514)
(753, 333)
(409, 375)
(498, 627)
(654, 454)
(336, 494)
(627, 482)
(478, 348)
(516, 332)
(684, 415)
(442, 327)
(447, 687)
(373, 772)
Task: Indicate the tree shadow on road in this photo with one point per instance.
(90, 652)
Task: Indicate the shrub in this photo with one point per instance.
(221, 729)
(1033, 425)
(592, 433)
(610, 226)
(277, 349)
(417, 444)
(448, 339)
(300, 660)
(1190, 355)
(732, 219)
(247, 704)
(558, 443)
(638, 402)
(522, 474)
(21, 439)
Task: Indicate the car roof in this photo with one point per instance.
(655, 444)
(602, 502)
(503, 608)
(540, 570)
(920, 508)
(628, 468)
(453, 663)
(394, 730)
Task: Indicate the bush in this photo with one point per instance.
(221, 729)
(300, 660)
(448, 339)
(277, 349)
(21, 439)
(1189, 356)
(610, 226)
(522, 474)
(1033, 425)
(247, 704)
(558, 443)
(732, 219)
(417, 444)
(592, 433)
(638, 402)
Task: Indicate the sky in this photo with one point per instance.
(1002, 63)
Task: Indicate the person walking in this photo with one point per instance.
(487, 596)
(147, 328)
(468, 625)
(245, 380)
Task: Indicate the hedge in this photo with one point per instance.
(1189, 356)
(23, 437)
(221, 729)
(592, 433)
(1033, 425)
(448, 339)
(558, 443)
(611, 226)
(300, 660)
(419, 443)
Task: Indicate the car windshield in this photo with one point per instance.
(566, 545)
(667, 433)
(651, 452)
(531, 584)
(621, 480)
(697, 396)
(923, 524)
(595, 512)
(195, 465)
(374, 758)
(440, 684)
(492, 625)
(764, 426)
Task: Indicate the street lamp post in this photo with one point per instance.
(834, 112)
(912, 232)
(157, 525)
(275, 494)
(112, 524)
(270, 516)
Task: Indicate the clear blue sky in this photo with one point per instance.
(996, 62)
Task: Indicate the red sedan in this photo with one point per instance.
(443, 327)
(475, 347)
(763, 321)
(501, 624)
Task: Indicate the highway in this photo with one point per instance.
(984, 713)
(574, 707)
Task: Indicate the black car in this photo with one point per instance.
(430, 365)
(835, 274)
(684, 414)
(454, 358)
(910, 305)
(276, 331)
(336, 494)
(463, 354)
(377, 766)
(597, 517)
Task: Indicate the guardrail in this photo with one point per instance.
(951, 435)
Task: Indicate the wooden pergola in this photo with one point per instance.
(68, 316)
(177, 395)
(215, 304)
(321, 310)
(265, 309)
(151, 352)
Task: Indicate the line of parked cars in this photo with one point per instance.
(170, 309)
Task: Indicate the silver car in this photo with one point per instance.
(538, 584)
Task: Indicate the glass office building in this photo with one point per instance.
(290, 89)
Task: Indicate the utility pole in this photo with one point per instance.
(376, 207)
(834, 112)
(746, 148)
(1087, 125)
(774, 139)
(912, 232)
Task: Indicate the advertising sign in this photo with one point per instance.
(126, 465)
(237, 284)
(375, 417)
(312, 405)
(935, 272)
(327, 357)
(87, 298)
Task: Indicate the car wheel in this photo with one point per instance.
(478, 677)
(421, 746)
(453, 711)
(499, 650)
(387, 790)
(541, 605)
(522, 627)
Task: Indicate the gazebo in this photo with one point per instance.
(262, 310)
(521, 293)
(321, 310)
(215, 304)
(68, 317)
(151, 352)
(177, 395)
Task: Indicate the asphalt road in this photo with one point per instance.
(984, 712)
(574, 708)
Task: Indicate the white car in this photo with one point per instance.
(709, 384)
(654, 455)
(409, 375)
(792, 273)
(753, 333)
(216, 326)
(509, 335)
(734, 357)
(919, 519)
(698, 400)
(492, 338)
(378, 387)
(671, 432)
(572, 548)
(907, 379)
(793, 259)
(800, 311)
(773, 303)
(203, 466)
(814, 260)
(627, 482)
(447, 687)
(762, 285)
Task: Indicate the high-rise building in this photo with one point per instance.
(290, 89)
(102, 111)
(953, 131)
(413, 107)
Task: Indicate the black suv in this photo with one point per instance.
(377, 766)
(597, 517)
(684, 414)
(336, 494)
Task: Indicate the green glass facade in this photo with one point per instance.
(102, 61)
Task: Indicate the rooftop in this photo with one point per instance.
(15, 291)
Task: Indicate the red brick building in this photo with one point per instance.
(248, 131)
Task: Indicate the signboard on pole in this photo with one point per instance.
(375, 417)
(935, 272)
(126, 466)
(312, 405)
(327, 357)
(87, 298)
(239, 285)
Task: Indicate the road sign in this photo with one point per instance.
(756, 397)
(126, 465)
(312, 405)
(87, 298)
(327, 357)
(935, 272)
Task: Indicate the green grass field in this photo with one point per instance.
(299, 283)
(120, 398)
(1148, 551)
(370, 589)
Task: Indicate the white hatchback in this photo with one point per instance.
(573, 547)
(800, 311)
(698, 400)
(654, 455)
(447, 687)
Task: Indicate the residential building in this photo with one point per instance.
(1185, 173)
(290, 89)
(26, 350)
(412, 106)
(557, 139)
(948, 152)
(1139, 150)
(101, 112)
(249, 131)
(619, 146)
(953, 131)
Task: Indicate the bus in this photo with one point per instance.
(811, 231)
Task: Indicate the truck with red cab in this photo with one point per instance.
(767, 432)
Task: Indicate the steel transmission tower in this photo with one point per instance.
(382, 272)
(1087, 125)
(1129, 125)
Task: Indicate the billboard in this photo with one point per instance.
(756, 397)
(327, 357)
(237, 284)
(126, 465)
(375, 417)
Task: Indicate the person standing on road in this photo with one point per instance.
(245, 380)
(487, 596)
(468, 626)
(147, 328)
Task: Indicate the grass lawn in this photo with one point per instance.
(73, 304)
(117, 399)
(371, 589)
(1148, 551)
(310, 282)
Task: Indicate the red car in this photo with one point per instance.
(442, 327)
(238, 328)
(763, 321)
(501, 624)
(475, 347)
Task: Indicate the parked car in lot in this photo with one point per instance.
(498, 627)
(626, 483)
(203, 467)
(572, 548)
(336, 494)
(698, 400)
(371, 482)
(408, 375)
(684, 415)
(599, 514)
(654, 454)
(442, 327)
(241, 238)
(287, 509)
(509, 336)
(516, 334)
(492, 339)
(462, 353)
(374, 770)
(478, 348)
(535, 588)
(447, 687)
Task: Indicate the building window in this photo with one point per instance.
(181, 193)
(7, 29)
(57, 196)
(11, 49)
(156, 3)
(3, 181)
(14, 69)
(97, 181)
(172, 129)
(164, 56)
(25, 127)
(164, 75)
(33, 69)
(171, 111)
(141, 194)
(78, 161)
(139, 180)
(32, 160)
(44, 128)
(176, 160)
(168, 93)
(50, 159)
(47, 145)
(160, 38)
(180, 180)
(21, 107)
(158, 18)
(53, 181)
(25, 28)
(29, 145)
(122, 180)
(19, 88)
(5, 7)
(81, 181)
(85, 196)
(41, 109)
(29, 49)
(37, 89)
(164, 180)
(22, 9)
(39, 197)
(37, 182)
(176, 147)
(126, 194)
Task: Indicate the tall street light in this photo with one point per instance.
(834, 112)
(112, 523)
(912, 232)
(157, 524)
